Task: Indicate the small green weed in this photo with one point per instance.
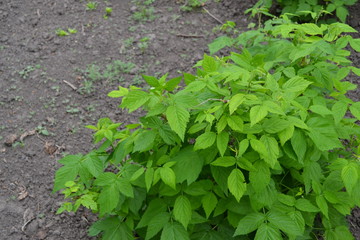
(108, 11)
(91, 6)
(26, 71)
(62, 33)
(144, 14)
(191, 4)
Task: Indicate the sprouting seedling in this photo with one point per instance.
(61, 33)
(91, 6)
(108, 11)
(72, 30)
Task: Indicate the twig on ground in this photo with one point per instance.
(72, 86)
(190, 36)
(207, 11)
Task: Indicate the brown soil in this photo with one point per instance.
(46, 98)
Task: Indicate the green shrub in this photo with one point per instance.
(257, 145)
(305, 10)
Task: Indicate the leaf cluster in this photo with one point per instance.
(305, 10)
(252, 147)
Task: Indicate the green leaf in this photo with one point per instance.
(105, 179)
(137, 174)
(349, 176)
(296, 84)
(321, 110)
(235, 123)
(157, 223)
(235, 102)
(149, 176)
(284, 222)
(152, 81)
(305, 205)
(154, 208)
(178, 118)
(222, 141)
(205, 140)
(342, 13)
(339, 110)
(199, 188)
(250, 223)
(267, 232)
(275, 125)
(257, 113)
(182, 210)
(63, 175)
(221, 124)
(113, 228)
(144, 141)
(355, 44)
(209, 202)
(299, 144)
(134, 100)
(323, 134)
(355, 110)
(298, 219)
(188, 165)
(286, 134)
(108, 199)
(260, 177)
(168, 177)
(236, 184)
(322, 204)
(226, 161)
(172, 83)
(195, 86)
(272, 148)
(219, 43)
(209, 64)
(119, 93)
(174, 231)
(259, 147)
(125, 187)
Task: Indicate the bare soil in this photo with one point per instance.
(52, 86)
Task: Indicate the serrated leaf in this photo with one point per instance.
(182, 210)
(135, 99)
(195, 86)
(339, 109)
(209, 64)
(323, 134)
(119, 93)
(273, 107)
(188, 165)
(174, 231)
(154, 208)
(296, 84)
(267, 232)
(156, 224)
(105, 179)
(222, 141)
(286, 134)
(144, 141)
(299, 144)
(275, 125)
(342, 13)
(93, 164)
(221, 124)
(113, 228)
(235, 102)
(178, 118)
(298, 219)
(260, 176)
(219, 43)
(355, 110)
(236, 184)
(349, 176)
(235, 123)
(168, 177)
(272, 148)
(209, 202)
(108, 199)
(125, 187)
(205, 140)
(322, 204)
(321, 110)
(137, 174)
(63, 175)
(286, 199)
(226, 161)
(149, 176)
(284, 222)
(199, 188)
(152, 81)
(257, 113)
(172, 83)
(258, 146)
(250, 223)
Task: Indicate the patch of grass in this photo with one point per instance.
(144, 14)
